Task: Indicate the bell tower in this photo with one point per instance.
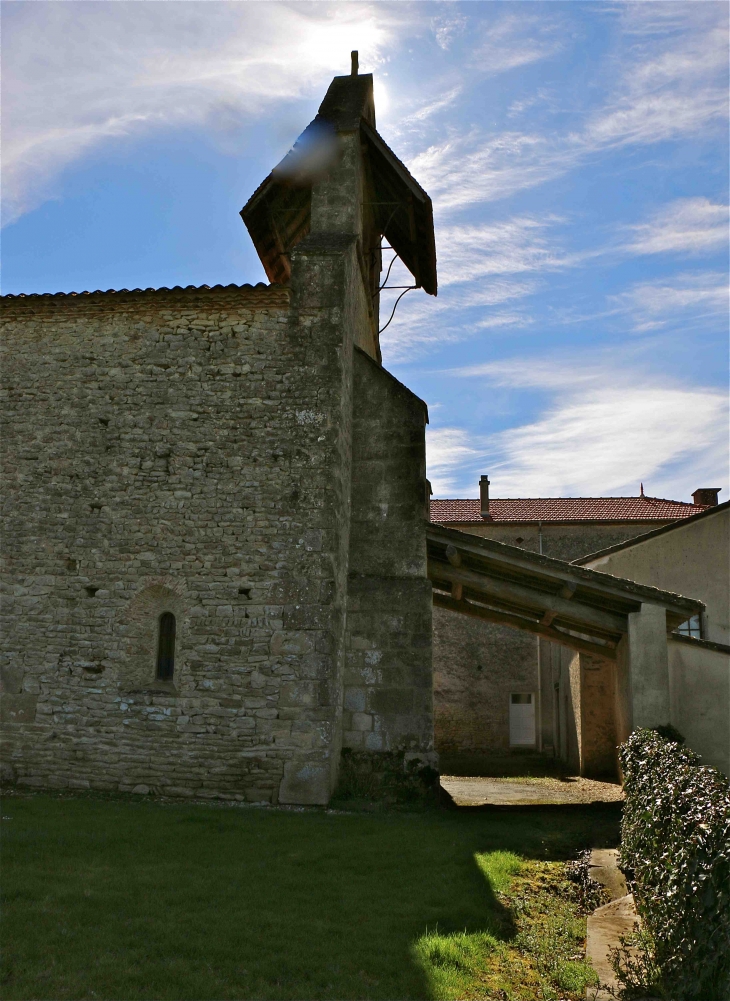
(340, 177)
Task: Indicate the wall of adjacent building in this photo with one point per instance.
(561, 540)
(699, 692)
(692, 559)
(478, 665)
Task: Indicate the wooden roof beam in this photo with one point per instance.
(603, 588)
(536, 601)
(501, 618)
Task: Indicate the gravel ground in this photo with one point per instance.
(468, 791)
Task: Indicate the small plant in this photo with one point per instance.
(634, 963)
(590, 893)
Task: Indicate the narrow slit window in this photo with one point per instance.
(166, 647)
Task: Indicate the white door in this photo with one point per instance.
(522, 720)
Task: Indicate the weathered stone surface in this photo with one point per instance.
(171, 472)
(305, 783)
(17, 709)
(388, 703)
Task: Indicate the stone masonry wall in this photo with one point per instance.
(477, 666)
(180, 451)
(388, 685)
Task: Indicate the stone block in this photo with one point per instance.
(392, 700)
(18, 708)
(298, 693)
(355, 699)
(305, 783)
(292, 644)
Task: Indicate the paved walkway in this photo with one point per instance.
(472, 791)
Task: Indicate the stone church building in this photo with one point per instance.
(218, 566)
(215, 503)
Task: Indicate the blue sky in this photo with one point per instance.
(576, 155)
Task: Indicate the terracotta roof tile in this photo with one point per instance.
(261, 288)
(520, 509)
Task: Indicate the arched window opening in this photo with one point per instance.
(166, 647)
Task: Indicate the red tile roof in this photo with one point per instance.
(520, 509)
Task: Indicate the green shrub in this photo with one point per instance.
(675, 849)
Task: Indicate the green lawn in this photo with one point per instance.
(123, 899)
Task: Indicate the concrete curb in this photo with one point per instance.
(608, 923)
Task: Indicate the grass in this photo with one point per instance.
(121, 898)
(542, 958)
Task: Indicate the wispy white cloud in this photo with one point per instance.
(668, 85)
(682, 299)
(77, 74)
(515, 40)
(538, 373)
(608, 440)
(448, 27)
(467, 169)
(512, 246)
(541, 96)
(686, 225)
(461, 310)
(427, 110)
(602, 434)
(674, 79)
(449, 449)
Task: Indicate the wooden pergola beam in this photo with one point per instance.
(625, 596)
(534, 601)
(518, 622)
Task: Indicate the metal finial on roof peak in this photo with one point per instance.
(354, 63)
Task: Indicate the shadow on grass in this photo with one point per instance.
(111, 899)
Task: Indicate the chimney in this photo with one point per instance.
(484, 496)
(707, 495)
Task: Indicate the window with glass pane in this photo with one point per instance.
(691, 628)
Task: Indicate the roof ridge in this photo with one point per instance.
(665, 500)
(259, 286)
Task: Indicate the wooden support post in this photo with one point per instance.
(452, 555)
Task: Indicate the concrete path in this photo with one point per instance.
(608, 923)
(472, 791)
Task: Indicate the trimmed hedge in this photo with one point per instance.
(675, 850)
